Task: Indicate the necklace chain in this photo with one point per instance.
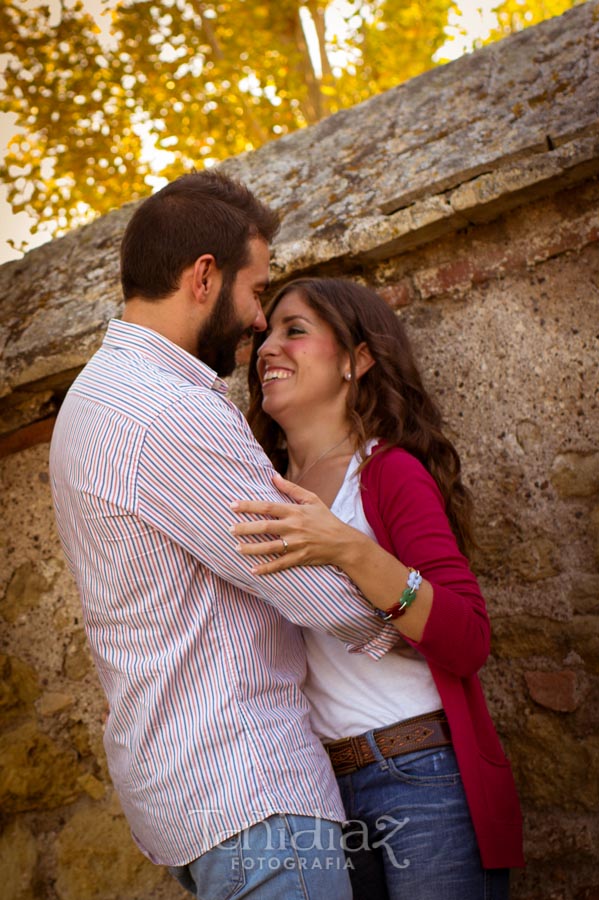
(305, 471)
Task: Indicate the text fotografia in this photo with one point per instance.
(327, 863)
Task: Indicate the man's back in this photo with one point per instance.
(207, 730)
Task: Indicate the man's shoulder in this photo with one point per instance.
(130, 385)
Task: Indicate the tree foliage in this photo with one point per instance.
(514, 15)
(75, 147)
(184, 83)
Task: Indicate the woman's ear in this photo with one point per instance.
(364, 360)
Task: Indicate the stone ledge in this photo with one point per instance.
(384, 178)
(515, 99)
(478, 200)
(29, 436)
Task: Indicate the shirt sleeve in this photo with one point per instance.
(412, 514)
(199, 456)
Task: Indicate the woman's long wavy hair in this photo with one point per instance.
(389, 401)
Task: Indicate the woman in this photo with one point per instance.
(339, 406)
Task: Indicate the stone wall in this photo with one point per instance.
(485, 240)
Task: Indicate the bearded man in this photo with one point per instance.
(208, 738)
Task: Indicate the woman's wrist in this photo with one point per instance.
(384, 581)
(408, 596)
(350, 550)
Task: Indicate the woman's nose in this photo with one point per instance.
(267, 347)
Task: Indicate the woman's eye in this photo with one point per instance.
(295, 329)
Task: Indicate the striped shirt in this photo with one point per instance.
(202, 662)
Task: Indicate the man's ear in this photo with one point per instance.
(364, 360)
(205, 278)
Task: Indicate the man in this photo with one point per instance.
(208, 741)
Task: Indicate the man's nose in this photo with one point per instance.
(259, 323)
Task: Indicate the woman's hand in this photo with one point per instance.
(307, 532)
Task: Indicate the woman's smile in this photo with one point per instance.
(272, 373)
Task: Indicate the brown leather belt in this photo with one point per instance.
(418, 733)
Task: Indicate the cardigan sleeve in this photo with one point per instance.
(407, 514)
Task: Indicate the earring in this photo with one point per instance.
(347, 376)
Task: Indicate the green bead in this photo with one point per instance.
(408, 597)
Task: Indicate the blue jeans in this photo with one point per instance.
(286, 857)
(409, 834)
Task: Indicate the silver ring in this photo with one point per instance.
(285, 547)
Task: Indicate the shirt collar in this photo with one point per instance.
(162, 352)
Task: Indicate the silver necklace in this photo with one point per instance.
(305, 471)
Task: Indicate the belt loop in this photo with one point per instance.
(424, 732)
(380, 759)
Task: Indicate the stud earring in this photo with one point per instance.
(347, 376)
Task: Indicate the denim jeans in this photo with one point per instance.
(409, 834)
(286, 857)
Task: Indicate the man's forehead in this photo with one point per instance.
(259, 259)
(259, 248)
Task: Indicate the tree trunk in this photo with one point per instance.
(260, 133)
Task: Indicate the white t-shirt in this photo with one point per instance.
(350, 693)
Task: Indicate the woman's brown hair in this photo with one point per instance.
(389, 401)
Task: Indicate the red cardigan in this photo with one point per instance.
(406, 511)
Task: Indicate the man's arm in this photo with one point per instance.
(199, 456)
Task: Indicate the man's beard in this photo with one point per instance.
(221, 333)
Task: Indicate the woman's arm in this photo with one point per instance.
(315, 536)
(406, 511)
(447, 622)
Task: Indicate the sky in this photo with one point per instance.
(477, 20)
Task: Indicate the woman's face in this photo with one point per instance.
(300, 364)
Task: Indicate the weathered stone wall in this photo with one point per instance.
(502, 303)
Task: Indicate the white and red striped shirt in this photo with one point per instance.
(201, 661)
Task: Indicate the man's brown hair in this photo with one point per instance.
(198, 213)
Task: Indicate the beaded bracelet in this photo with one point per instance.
(405, 601)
